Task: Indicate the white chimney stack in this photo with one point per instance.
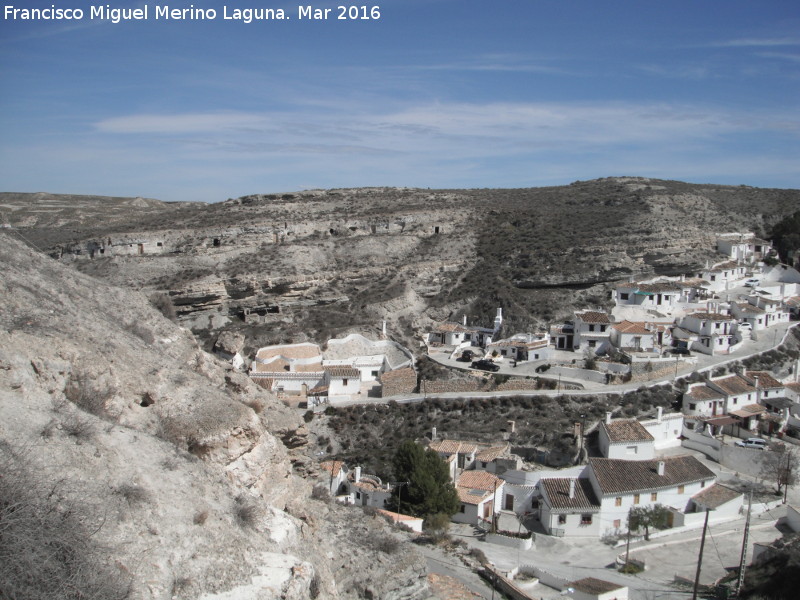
(571, 488)
(384, 329)
(608, 418)
(433, 433)
(465, 320)
(357, 474)
(659, 414)
(661, 466)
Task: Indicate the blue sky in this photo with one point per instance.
(436, 93)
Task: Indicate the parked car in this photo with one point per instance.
(680, 350)
(757, 443)
(466, 356)
(485, 365)
(745, 325)
(753, 282)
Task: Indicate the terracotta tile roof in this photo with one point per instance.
(659, 287)
(715, 496)
(733, 385)
(591, 316)
(795, 387)
(490, 454)
(750, 410)
(765, 379)
(628, 430)
(591, 585)
(703, 392)
(472, 496)
(557, 491)
(479, 480)
(794, 301)
(451, 328)
(342, 372)
(725, 266)
(453, 447)
(694, 282)
(707, 316)
(334, 467)
(749, 308)
(632, 327)
(616, 476)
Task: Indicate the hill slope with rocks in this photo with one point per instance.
(135, 465)
(325, 262)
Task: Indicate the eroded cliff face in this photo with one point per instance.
(176, 462)
(326, 262)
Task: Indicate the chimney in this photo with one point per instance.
(683, 277)
(758, 389)
(433, 433)
(659, 414)
(384, 329)
(661, 465)
(608, 418)
(572, 488)
(512, 426)
(357, 474)
(465, 320)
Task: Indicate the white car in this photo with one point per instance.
(745, 326)
(756, 443)
(752, 282)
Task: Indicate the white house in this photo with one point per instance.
(703, 401)
(636, 335)
(459, 455)
(722, 276)
(662, 295)
(367, 490)
(743, 246)
(666, 429)
(522, 347)
(592, 330)
(569, 507)
(334, 476)
(455, 334)
(622, 484)
(625, 439)
(480, 494)
(708, 332)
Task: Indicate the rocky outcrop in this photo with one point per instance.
(176, 462)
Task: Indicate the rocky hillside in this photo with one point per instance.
(135, 465)
(320, 263)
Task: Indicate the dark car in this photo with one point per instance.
(680, 350)
(466, 356)
(485, 365)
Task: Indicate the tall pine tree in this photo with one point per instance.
(429, 490)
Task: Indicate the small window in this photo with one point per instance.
(591, 327)
(462, 509)
(617, 523)
(562, 519)
(624, 296)
(653, 496)
(636, 498)
(692, 406)
(358, 495)
(592, 343)
(344, 381)
(374, 373)
(618, 501)
(586, 519)
(483, 464)
(680, 489)
(602, 328)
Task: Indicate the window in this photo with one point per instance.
(586, 519)
(592, 343)
(666, 298)
(618, 501)
(692, 406)
(680, 489)
(631, 450)
(344, 381)
(617, 523)
(716, 325)
(624, 296)
(358, 495)
(483, 464)
(653, 496)
(713, 278)
(509, 502)
(374, 373)
(462, 508)
(562, 519)
(636, 498)
(591, 327)
(602, 328)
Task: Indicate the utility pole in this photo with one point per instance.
(788, 475)
(745, 539)
(628, 543)
(700, 557)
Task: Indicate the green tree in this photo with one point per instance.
(656, 516)
(429, 489)
(786, 236)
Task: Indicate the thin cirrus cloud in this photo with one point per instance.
(452, 127)
(756, 42)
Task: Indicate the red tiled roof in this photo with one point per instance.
(591, 585)
(632, 327)
(472, 496)
(750, 410)
(765, 379)
(557, 492)
(479, 480)
(703, 392)
(490, 454)
(715, 496)
(707, 316)
(333, 467)
(628, 430)
(453, 447)
(616, 476)
(342, 372)
(591, 316)
(733, 385)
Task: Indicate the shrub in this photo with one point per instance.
(246, 512)
(132, 493)
(163, 303)
(200, 517)
(320, 492)
(86, 392)
(79, 427)
(46, 546)
(388, 544)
